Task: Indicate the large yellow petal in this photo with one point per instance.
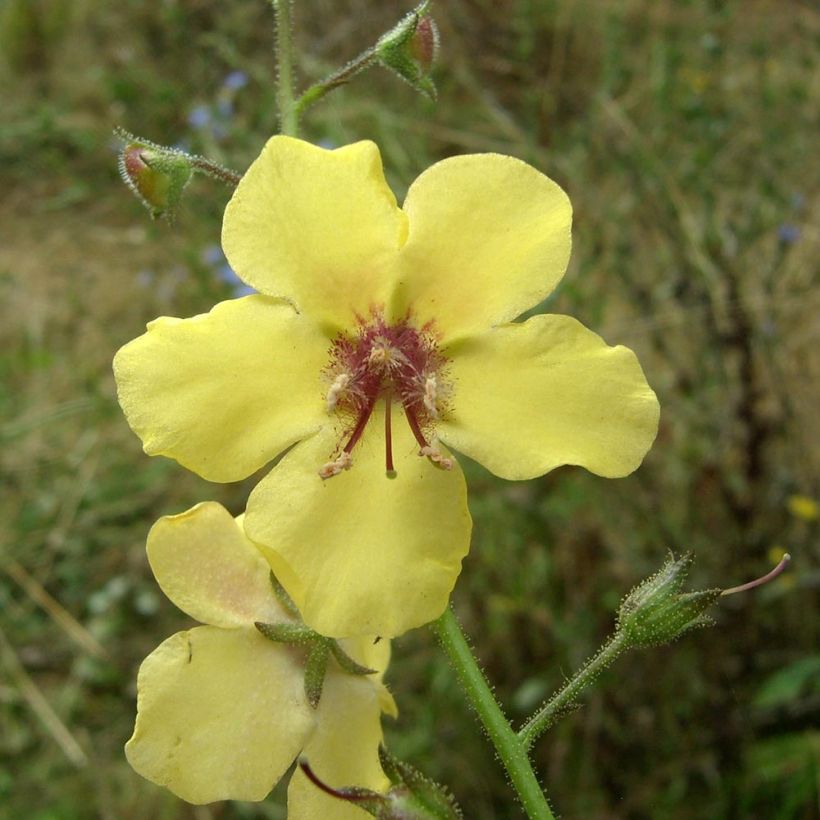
(224, 392)
(318, 227)
(206, 565)
(489, 238)
(364, 554)
(530, 397)
(221, 714)
(343, 751)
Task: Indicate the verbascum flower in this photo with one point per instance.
(221, 710)
(381, 334)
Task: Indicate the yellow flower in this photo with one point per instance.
(381, 334)
(221, 710)
(802, 507)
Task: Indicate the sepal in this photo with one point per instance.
(157, 175)
(410, 49)
(657, 612)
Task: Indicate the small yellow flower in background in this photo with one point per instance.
(803, 507)
(221, 710)
(381, 334)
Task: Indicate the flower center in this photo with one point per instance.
(389, 363)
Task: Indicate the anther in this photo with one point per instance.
(379, 356)
(430, 393)
(340, 384)
(437, 457)
(332, 468)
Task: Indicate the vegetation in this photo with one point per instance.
(685, 134)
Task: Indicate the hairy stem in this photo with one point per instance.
(568, 694)
(510, 748)
(215, 170)
(338, 78)
(288, 116)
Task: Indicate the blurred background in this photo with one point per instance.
(686, 136)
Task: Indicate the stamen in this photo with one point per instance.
(414, 426)
(430, 392)
(388, 436)
(359, 428)
(430, 450)
(395, 362)
(379, 356)
(338, 387)
(332, 468)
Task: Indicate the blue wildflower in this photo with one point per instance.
(235, 80)
(199, 117)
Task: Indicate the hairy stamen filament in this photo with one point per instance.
(345, 459)
(410, 414)
(364, 417)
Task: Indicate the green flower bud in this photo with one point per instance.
(657, 612)
(410, 49)
(414, 794)
(156, 175)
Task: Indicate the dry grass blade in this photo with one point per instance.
(61, 616)
(39, 705)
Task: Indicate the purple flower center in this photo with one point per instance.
(393, 363)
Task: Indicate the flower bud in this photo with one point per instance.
(410, 49)
(156, 175)
(657, 612)
(413, 795)
(424, 43)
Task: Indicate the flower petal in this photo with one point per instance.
(221, 714)
(224, 392)
(530, 397)
(368, 555)
(343, 751)
(318, 227)
(374, 653)
(489, 238)
(207, 567)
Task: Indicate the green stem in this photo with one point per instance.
(288, 116)
(215, 170)
(337, 78)
(511, 750)
(566, 697)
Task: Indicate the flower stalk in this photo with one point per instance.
(566, 698)
(338, 78)
(215, 170)
(511, 749)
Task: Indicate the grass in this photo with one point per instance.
(683, 133)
